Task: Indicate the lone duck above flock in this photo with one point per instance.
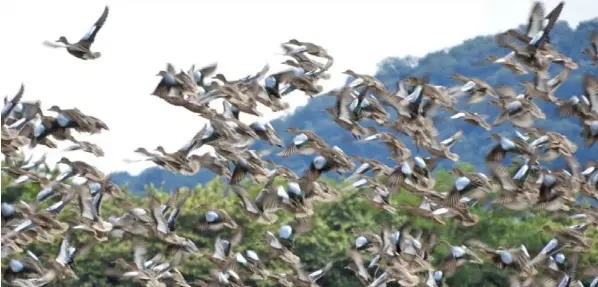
(402, 254)
(82, 48)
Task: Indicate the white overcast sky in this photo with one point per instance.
(140, 37)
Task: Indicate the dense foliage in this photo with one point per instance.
(464, 59)
(332, 232)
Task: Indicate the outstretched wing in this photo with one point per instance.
(91, 35)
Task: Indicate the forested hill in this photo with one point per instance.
(463, 59)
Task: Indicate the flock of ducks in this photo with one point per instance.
(398, 254)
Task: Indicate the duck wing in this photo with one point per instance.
(9, 106)
(156, 211)
(172, 199)
(139, 254)
(342, 104)
(248, 203)
(273, 241)
(64, 253)
(268, 201)
(208, 70)
(316, 275)
(97, 204)
(590, 84)
(594, 42)
(552, 17)
(86, 203)
(177, 210)
(535, 20)
(502, 175)
(356, 258)
(88, 39)
(219, 252)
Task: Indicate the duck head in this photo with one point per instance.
(220, 77)
(470, 220)
(413, 81)
(64, 160)
(55, 109)
(121, 263)
(495, 137)
(350, 73)
(141, 150)
(547, 228)
(294, 42)
(62, 40)
(162, 74)
(161, 149)
(290, 63)
(457, 171)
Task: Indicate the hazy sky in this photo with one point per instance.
(140, 37)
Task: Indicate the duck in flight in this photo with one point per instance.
(82, 49)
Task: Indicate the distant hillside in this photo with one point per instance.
(439, 65)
